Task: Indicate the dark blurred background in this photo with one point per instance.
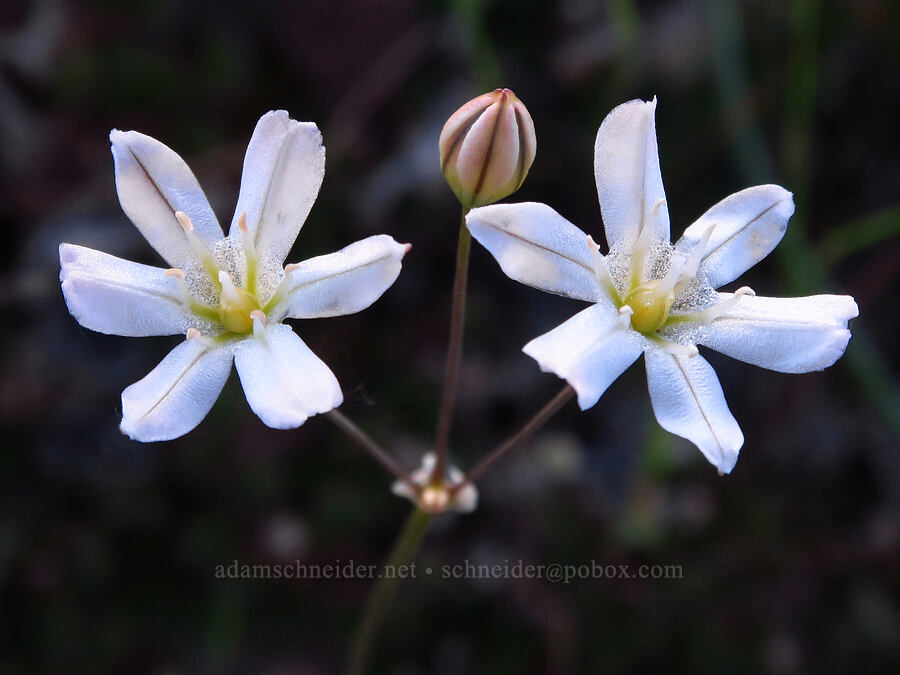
(108, 547)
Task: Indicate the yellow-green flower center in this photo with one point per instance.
(650, 305)
(235, 308)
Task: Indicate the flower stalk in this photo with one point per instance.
(362, 439)
(404, 553)
(454, 351)
(540, 418)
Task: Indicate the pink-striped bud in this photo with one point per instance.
(487, 147)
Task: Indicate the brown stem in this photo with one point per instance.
(454, 352)
(362, 439)
(521, 435)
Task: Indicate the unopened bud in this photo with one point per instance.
(487, 147)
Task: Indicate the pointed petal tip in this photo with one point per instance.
(66, 253)
(118, 137)
(585, 401)
(129, 428)
(278, 112)
(726, 464)
(125, 431)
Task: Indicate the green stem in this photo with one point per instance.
(404, 552)
(454, 351)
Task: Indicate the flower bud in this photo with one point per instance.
(487, 147)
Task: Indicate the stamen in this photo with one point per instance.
(645, 238)
(185, 221)
(624, 318)
(195, 335)
(197, 246)
(601, 269)
(684, 351)
(280, 291)
(712, 313)
(666, 286)
(693, 261)
(230, 293)
(657, 206)
(251, 258)
(259, 323)
(187, 299)
(178, 275)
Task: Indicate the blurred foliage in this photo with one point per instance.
(108, 548)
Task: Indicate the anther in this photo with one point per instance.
(198, 247)
(624, 318)
(195, 335)
(185, 221)
(178, 275)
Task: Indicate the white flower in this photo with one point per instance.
(230, 294)
(656, 299)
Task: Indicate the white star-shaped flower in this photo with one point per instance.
(656, 299)
(228, 295)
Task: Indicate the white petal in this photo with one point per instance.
(626, 167)
(118, 297)
(175, 396)
(538, 247)
(748, 226)
(153, 183)
(283, 171)
(344, 282)
(688, 402)
(590, 351)
(790, 335)
(283, 380)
